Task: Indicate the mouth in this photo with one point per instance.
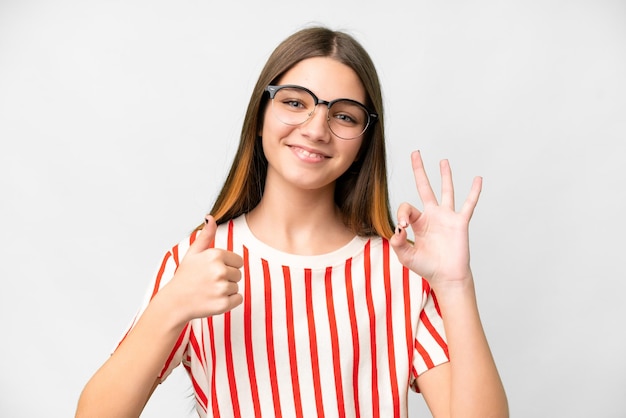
(308, 153)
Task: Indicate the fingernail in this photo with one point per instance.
(404, 223)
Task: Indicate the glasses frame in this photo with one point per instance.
(372, 117)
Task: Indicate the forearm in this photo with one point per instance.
(122, 386)
(475, 386)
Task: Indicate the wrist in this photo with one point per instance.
(169, 306)
(447, 289)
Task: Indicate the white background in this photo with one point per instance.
(119, 120)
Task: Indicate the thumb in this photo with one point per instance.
(401, 245)
(206, 236)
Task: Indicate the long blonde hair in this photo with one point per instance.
(361, 193)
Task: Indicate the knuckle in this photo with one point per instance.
(219, 271)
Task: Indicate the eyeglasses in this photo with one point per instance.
(294, 105)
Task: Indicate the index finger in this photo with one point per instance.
(422, 183)
(232, 259)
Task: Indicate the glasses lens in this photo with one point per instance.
(293, 106)
(347, 119)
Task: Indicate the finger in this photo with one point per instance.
(447, 187)
(407, 215)
(472, 199)
(421, 180)
(231, 289)
(232, 260)
(401, 246)
(233, 274)
(227, 304)
(235, 300)
(226, 264)
(204, 239)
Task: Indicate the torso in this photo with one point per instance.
(332, 334)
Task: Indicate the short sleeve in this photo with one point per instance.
(430, 348)
(162, 276)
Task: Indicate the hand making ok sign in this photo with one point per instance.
(440, 252)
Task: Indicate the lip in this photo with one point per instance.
(308, 154)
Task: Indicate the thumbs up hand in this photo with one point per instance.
(205, 283)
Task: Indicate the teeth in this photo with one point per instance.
(309, 154)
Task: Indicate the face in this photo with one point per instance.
(309, 156)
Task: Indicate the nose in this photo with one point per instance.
(316, 127)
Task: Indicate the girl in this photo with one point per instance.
(297, 296)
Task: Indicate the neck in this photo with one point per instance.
(305, 222)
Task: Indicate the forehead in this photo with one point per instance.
(328, 78)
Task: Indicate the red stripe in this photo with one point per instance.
(200, 395)
(229, 244)
(334, 340)
(356, 352)
(179, 342)
(429, 326)
(204, 350)
(420, 349)
(313, 344)
(372, 317)
(209, 321)
(193, 236)
(408, 324)
(425, 286)
(197, 389)
(230, 368)
(214, 404)
(390, 341)
(196, 347)
(291, 340)
(175, 254)
(247, 330)
(427, 290)
(269, 338)
(157, 283)
(228, 346)
(436, 303)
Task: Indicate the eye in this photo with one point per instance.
(294, 103)
(345, 119)
(348, 113)
(294, 99)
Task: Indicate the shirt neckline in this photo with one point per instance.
(265, 251)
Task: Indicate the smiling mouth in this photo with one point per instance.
(309, 154)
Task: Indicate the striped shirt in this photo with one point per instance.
(343, 334)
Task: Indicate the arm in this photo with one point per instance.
(469, 385)
(205, 284)
(125, 382)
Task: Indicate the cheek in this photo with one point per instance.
(353, 149)
(272, 128)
